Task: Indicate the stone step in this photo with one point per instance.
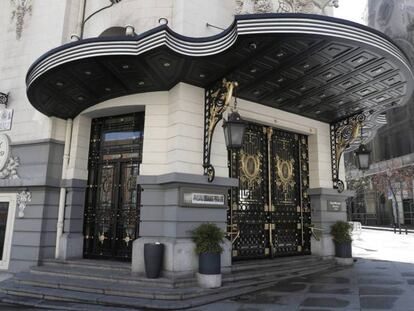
(275, 262)
(92, 264)
(121, 289)
(274, 271)
(105, 287)
(18, 292)
(125, 277)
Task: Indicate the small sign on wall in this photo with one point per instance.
(6, 117)
(203, 199)
(334, 206)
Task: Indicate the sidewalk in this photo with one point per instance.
(381, 279)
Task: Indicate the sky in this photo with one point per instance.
(353, 10)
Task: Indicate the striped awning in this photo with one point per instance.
(316, 66)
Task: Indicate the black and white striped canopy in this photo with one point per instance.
(316, 66)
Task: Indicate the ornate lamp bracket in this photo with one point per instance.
(217, 99)
(4, 98)
(343, 133)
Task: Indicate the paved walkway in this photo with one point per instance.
(381, 279)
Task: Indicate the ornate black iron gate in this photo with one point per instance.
(269, 213)
(112, 200)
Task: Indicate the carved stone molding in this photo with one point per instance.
(23, 198)
(284, 6)
(10, 170)
(19, 10)
(8, 163)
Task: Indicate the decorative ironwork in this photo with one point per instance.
(4, 98)
(270, 216)
(23, 198)
(113, 197)
(285, 173)
(217, 99)
(250, 166)
(343, 134)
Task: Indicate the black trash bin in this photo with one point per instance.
(153, 258)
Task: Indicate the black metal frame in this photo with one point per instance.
(343, 133)
(118, 215)
(267, 216)
(4, 98)
(216, 100)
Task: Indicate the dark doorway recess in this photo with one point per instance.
(112, 207)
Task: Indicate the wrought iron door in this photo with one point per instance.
(111, 220)
(269, 212)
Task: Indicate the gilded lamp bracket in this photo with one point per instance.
(343, 133)
(217, 100)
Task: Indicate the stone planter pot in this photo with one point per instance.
(209, 263)
(153, 258)
(343, 250)
(209, 270)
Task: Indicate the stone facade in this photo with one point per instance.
(173, 120)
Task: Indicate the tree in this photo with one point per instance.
(394, 179)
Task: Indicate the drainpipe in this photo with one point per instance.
(81, 18)
(62, 198)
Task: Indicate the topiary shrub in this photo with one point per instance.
(208, 238)
(341, 232)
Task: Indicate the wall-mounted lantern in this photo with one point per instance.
(234, 129)
(363, 157)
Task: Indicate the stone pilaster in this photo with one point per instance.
(167, 216)
(327, 207)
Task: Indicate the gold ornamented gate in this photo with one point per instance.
(269, 213)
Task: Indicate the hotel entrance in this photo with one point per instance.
(269, 214)
(112, 200)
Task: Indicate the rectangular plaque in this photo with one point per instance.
(6, 116)
(211, 199)
(334, 206)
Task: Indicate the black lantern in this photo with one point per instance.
(234, 129)
(363, 157)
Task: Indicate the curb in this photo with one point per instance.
(387, 229)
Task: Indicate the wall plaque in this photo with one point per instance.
(334, 206)
(6, 117)
(200, 199)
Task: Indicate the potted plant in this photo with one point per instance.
(341, 235)
(208, 239)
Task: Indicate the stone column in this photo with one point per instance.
(71, 242)
(327, 207)
(168, 214)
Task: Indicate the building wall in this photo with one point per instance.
(173, 134)
(173, 139)
(188, 18)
